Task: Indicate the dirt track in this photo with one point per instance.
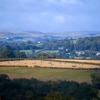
(55, 64)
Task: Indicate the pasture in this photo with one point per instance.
(51, 69)
(46, 74)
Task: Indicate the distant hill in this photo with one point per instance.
(40, 36)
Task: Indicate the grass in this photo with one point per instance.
(48, 51)
(27, 51)
(49, 73)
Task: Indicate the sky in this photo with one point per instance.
(49, 15)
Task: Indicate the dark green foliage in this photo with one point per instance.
(20, 54)
(88, 43)
(6, 52)
(32, 89)
(96, 80)
(55, 96)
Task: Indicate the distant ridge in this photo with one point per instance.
(40, 36)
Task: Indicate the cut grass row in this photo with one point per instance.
(76, 62)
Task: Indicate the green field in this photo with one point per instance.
(49, 73)
(27, 51)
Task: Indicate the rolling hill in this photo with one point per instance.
(40, 36)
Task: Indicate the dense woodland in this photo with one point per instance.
(88, 43)
(33, 89)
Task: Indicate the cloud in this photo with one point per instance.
(65, 1)
(44, 13)
(60, 18)
(49, 15)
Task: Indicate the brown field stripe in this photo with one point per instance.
(75, 62)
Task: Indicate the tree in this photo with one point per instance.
(55, 96)
(19, 54)
(6, 52)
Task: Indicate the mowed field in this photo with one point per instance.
(46, 74)
(55, 63)
(51, 69)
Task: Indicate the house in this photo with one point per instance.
(98, 54)
(80, 53)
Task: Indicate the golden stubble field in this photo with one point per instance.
(56, 63)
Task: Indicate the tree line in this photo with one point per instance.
(12, 49)
(33, 89)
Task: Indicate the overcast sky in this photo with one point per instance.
(50, 15)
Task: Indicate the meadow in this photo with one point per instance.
(46, 74)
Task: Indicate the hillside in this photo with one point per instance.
(40, 36)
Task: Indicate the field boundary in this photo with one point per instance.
(77, 62)
(98, 69)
